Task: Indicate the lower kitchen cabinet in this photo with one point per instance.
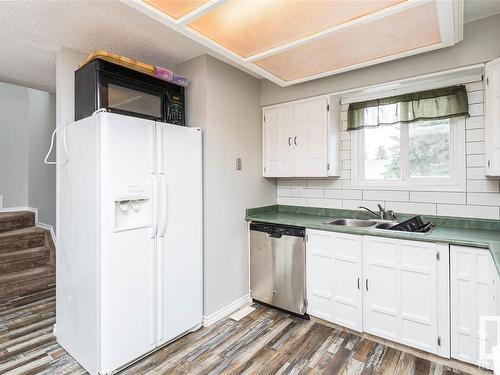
(334, 272)
(474, 293)
(406, 295)
(395, 289)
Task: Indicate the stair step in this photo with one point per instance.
(28, 281)
(16, 220)
(20, 260)
(25, 254)
(21, 239)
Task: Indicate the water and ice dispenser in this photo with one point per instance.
(133, 208)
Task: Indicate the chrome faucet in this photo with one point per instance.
(382, 214)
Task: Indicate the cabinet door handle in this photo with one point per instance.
(358, 283)
(366, 284)
(295, 140)
(289, 141)
(489, 163)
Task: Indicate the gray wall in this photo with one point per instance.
(481, 43)
(27, 119)
(41, 177)
(13, 145)
(225, 102)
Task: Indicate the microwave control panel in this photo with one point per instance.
(175, 110)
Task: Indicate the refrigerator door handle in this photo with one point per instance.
(162, 225)
(154, 205)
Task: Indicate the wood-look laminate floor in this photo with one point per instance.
(266, 341)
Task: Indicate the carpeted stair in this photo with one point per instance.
(27, 255)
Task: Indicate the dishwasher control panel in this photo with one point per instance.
(278, 230)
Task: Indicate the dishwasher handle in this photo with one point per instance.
(277, 231)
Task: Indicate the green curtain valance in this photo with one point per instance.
(424, 105)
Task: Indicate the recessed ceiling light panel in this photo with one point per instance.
(248, 27)
(404, 31)
(176, 8)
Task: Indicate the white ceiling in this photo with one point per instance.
(477, 9)
(31, 32)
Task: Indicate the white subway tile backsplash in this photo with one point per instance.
(313, 193)
(476, 109)
(476, 173)
(386, 195)
(412, 208)
(292, 201)
(482, 186)
(474, 122)
(475, 97)
(289, 183)
(324, 184)
(474, 86)
(474, 135)
(475, 160)
(475, 148)
(344, 194)
(486, 199)
(481, 200)
(437, 197)
(481, 212)
(284, 192)
(326, 203)
(348, 204)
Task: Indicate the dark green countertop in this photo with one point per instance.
(480, 233)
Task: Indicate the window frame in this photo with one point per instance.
(456, 181)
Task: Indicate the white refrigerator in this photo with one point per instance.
(129, 238)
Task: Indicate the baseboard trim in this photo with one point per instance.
(20, 208)
(49, 228)
(208, 320)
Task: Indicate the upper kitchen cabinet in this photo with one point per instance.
(301, 139)
(492, 117)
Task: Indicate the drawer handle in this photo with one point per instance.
(289, 141)
(366, 283)
(358, 283)
(295, 141)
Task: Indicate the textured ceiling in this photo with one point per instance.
(477, 9)
(32, 32)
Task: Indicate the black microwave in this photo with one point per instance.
(102, 84)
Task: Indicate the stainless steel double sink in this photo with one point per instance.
(359, 223)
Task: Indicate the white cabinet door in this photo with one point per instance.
(310, 139)
(401, 292)
(277, 137)
(492, 117)
(179, 256)
(474, 293)
(334, 278)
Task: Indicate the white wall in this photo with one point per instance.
(225, 102)
(41, 177)
(27, 119)
(13, 145)
(480, 200)
(480, 44)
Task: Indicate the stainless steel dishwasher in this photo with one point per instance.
(277, 266)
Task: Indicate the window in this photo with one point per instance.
(428, 154)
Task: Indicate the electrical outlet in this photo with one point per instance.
(238, 164)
